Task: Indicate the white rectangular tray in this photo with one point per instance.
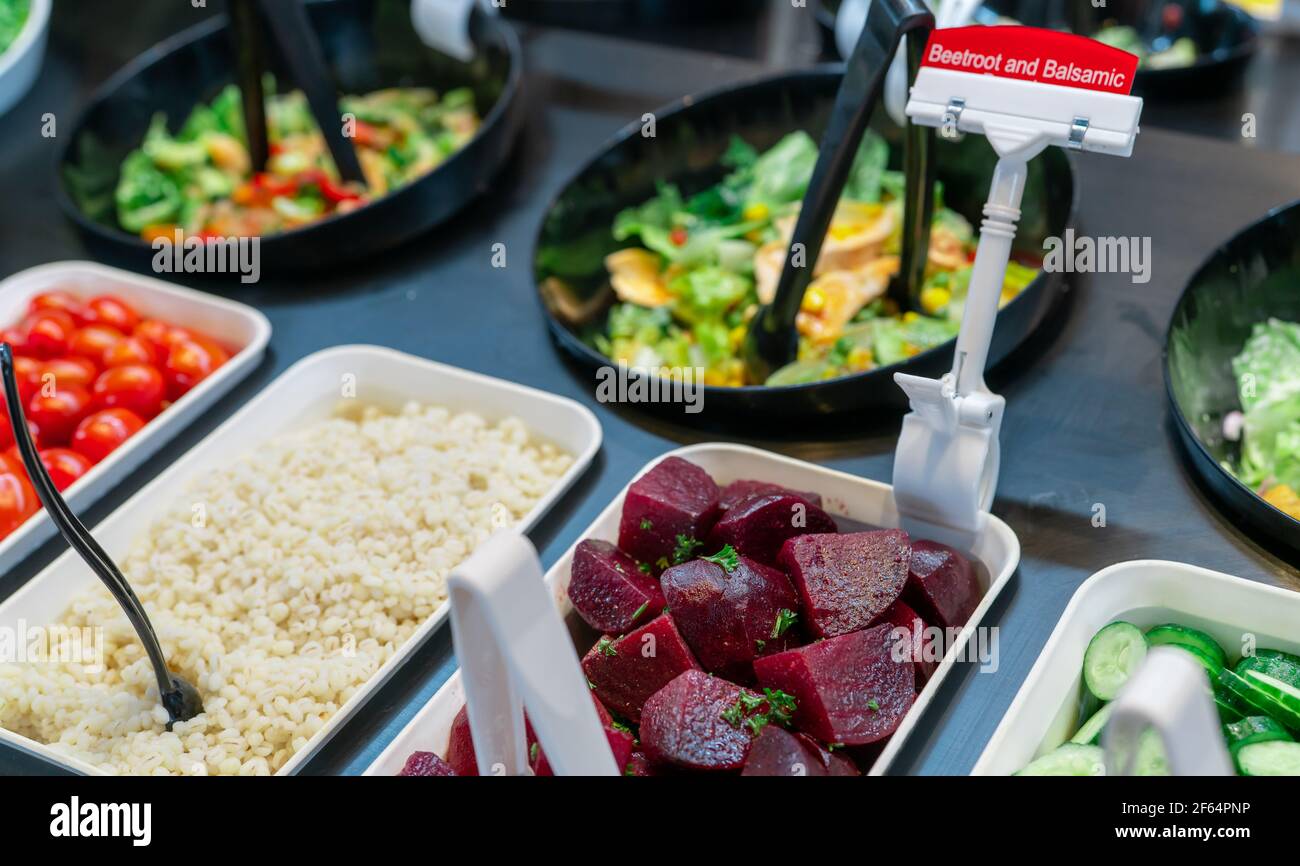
(1044, 713)
(236, 326)
(844, 495)
(309, 391)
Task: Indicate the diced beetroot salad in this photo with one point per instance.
(738, 631)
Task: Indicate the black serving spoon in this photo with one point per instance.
(296, 41)
(772, 341)
(179, 698)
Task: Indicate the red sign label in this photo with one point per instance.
(1033, 54)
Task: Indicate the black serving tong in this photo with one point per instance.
(772, 341)
(181, 700)
(297, 43)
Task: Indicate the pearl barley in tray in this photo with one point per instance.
(791, 646)
(288, 572)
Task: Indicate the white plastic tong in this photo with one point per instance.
(947, 462)
(1170, 695)
(445, 24)
(515, 652)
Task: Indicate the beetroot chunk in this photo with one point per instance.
(426, 764)
(899, 616)
(777, 752)
(738, 490)
(685, 723)
(627, 671)
(730, 619)
(848, 689)
(941, 585)
(608, 590)
(460, 747)
(847, 581)
(621, 744)
(759, 525)
(675, 498)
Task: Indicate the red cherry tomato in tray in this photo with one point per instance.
(17, 499)
(64, 465)
(56, 299)
(68, 371)
(58, 411)
(189, 362)
(137, 387)
(113, 312)
(101, 433)
(130, 350)
(92, 341)
(49, 333)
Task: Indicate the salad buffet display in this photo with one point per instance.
(729, 627)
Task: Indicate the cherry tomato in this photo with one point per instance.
(7, 430)
(65, 465)
(49, 333)
(17, 500)
(137, 387)
(92, 341)
(59, 412)
(28, 373)
(189, 362)
(68, 371)
(679, 236)
(111, 311)
(99, 434)
(57, 299)
(17, 340)
(160, 335)
(130, 350)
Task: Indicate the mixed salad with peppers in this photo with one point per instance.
(1268, 425)
(698, 267)
(200, 180)
(13, 15)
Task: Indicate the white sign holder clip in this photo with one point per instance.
(947, 462)
(515, 651)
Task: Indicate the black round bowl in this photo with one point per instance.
(1252, 277)
(368, 45)
(691, 136)
(1225, 36)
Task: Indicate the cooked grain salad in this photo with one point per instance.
(279, 585)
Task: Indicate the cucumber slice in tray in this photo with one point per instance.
(1113, 655)
(1090, 733)
(1264, 694)
(1254, 729)
(1200, 645)
(1270, 758)
(1071, 759)
(1278, 665)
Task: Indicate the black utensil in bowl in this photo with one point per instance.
(691, 137)
(179, 698)
(369, 45)
(1250, 279)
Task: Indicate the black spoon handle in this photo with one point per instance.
(250, 64)
(888, 22)
(302, 53)
(75, 532)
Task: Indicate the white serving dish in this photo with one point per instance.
(859, 499)
(21, 62)
(310, 390)
(232, 324)
(1044, 713)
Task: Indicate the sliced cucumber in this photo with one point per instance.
(1273, 758)
(1211, 666)
(1090, 733)
(1172, 634)
(1113, 654)
(1279, 665)
(1071, 759)
(1230, 709)
(1151, 760)
(1286, 696)
(1254, 729)
(1260, 699)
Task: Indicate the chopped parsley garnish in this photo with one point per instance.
(605, 646)
(745, 711)
(644, 567)
(532, 753)
(646, 525)
(727, 557)
(662, 562)
(784, 619)
(685, 549)
(665, 610)
(830, 747)
(873, 705)
(640, 610)
(760, 644)
(620, 726)
(630, 769)
(591, 685)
